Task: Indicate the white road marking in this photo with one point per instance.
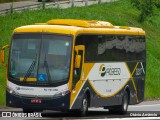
(141, 118)
(144, 105)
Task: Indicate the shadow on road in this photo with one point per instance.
(75, 115)
(99, 115)
(56, 115)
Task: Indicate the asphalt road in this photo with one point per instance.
(145, 110)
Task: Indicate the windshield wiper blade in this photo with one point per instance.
(47, 69)
(30, 69)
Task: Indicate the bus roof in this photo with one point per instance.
(74, 27)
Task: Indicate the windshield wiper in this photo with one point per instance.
(47, 69)
(31, 68)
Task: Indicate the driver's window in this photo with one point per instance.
(77, 71)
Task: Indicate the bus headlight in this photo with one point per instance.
(62, 93)
(11, 91)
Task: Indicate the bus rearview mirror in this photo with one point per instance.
(2, 56)
(77, 61)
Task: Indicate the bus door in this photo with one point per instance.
(78, 74)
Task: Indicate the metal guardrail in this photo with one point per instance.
(56, 4)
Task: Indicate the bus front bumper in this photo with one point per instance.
(57, 103)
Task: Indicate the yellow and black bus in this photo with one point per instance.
(67, 64)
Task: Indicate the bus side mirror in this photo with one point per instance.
(78, 57)
(77, 61)
(2, 55)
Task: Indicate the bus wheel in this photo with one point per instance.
(27, 110)
(121, 109)
(124, 107)
(84, 106)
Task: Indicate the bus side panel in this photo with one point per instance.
(139, 78)
(135, 84)
(95, 99)
(139, 82)
(138, 71)
(99, 101)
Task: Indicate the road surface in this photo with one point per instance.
(145, 110)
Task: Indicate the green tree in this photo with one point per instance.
(146, 8)
(157, 3)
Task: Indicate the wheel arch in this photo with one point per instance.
(128, 91)
(88, 94)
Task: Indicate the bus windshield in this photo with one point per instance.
(40, 58)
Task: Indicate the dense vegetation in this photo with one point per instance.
(118, 13)
(146, 7)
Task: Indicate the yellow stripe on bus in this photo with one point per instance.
(135, 68)
(131, 76)
(135, 90)
(80, 83)
(29, 79)
(134, 85)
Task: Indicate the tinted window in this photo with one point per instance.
(112, 47)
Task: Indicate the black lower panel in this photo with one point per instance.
(58, 103)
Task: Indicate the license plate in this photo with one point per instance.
(36, 101)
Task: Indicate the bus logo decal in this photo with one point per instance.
(103, 70)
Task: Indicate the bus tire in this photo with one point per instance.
(121, 109)
(125, 101)
(84, 106)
